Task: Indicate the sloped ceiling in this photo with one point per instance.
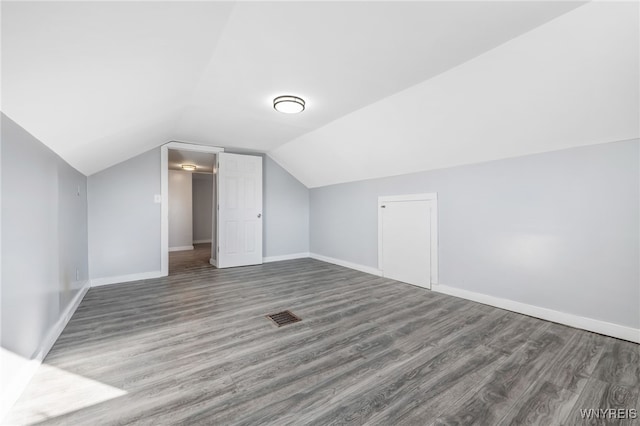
(100, 82)
(573, 81)
(391, 87)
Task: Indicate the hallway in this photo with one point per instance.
(187, 260)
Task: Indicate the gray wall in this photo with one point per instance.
(558, 230)
(286, 212)
(180, 209)
(44, 238)
(124, 220)
(73, 249)
(202, 206)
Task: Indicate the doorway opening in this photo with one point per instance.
(188, 214)
(236, 210)
(191, 213)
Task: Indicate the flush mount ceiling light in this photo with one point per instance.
(188, 167)
(288, 104)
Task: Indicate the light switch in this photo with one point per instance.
(157, 198)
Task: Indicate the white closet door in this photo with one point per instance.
(240, 210)
(406, 241)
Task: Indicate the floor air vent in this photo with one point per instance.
(283, 318)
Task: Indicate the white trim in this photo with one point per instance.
(346, 264)
(13, 391)
(583, 323)
(185, 146)
(213, 262)
(409, 197)
(201, 241)
(55, 332)
(589, 324)
(432, 197)
(97, 282)
(164, 210)
(181, 248)
(285, 257)
(164, 191)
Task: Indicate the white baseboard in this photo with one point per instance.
(597, 326)
(589, 324)
(12, 391)
(202, 241)
(97, 282)
(346, 264)
(213, 262)
(181, 248)
(285, 257)
(66, 315)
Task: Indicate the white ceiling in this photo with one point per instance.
(573, 81)
(100, 82)
(203, 161)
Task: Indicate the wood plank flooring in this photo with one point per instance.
(185, 260)
(196, 348)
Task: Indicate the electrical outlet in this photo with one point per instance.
(78, 191)
(157, 198)
(77, 274)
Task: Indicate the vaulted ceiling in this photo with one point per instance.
(391, 87)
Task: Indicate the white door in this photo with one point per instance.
(406, 241)
(239, 210)
(214, 215)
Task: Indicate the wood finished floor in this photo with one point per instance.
(196, 348)
(186, 260)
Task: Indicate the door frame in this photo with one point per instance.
(432, 197)
(164, 194)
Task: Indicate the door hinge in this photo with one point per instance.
(218, 248)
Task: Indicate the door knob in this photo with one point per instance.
(259, 215)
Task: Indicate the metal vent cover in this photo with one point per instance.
(284, 318)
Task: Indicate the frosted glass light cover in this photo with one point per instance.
(288, 104)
